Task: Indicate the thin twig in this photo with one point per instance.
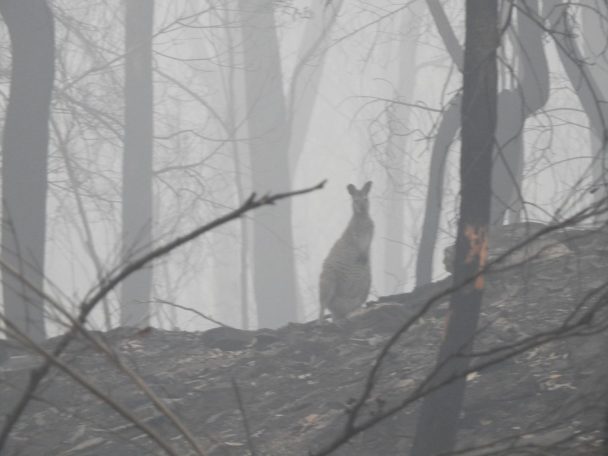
(53, 360)
(351, 428)
(107, 285)
(104, 348)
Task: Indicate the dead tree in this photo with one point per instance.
(516, 105)
(438, 421)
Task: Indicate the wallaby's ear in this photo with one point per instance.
(366, 188)
(351, 189)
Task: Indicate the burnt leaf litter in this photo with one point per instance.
(297, 384)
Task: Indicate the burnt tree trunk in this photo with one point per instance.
(515, 107)
(24, 162)
(438, 421)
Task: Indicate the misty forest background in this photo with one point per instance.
(183, 165)
(165, 115)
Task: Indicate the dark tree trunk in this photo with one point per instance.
(438, 421)
(137, 164)
(273, 256)
(515, 107)
(24, 161)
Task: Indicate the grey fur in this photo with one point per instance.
(346, 276)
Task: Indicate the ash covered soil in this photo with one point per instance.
(298, 384)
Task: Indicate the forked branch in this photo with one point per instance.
(108, 284)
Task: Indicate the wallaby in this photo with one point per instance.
(346, 276)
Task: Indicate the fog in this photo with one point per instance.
(347, 140)
(167, 115)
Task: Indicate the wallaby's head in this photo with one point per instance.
(360, 201)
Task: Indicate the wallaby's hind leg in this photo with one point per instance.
(327, 291)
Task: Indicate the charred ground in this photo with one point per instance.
(298, 384)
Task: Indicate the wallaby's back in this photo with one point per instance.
(346, 276)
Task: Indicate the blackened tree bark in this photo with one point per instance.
(273, 257)
(516, 105)
(24, 161)
(438, 421)
(137, 162)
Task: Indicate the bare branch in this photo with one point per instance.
(53, 360)
(446, 32)
(352, 428)
(107, 285)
